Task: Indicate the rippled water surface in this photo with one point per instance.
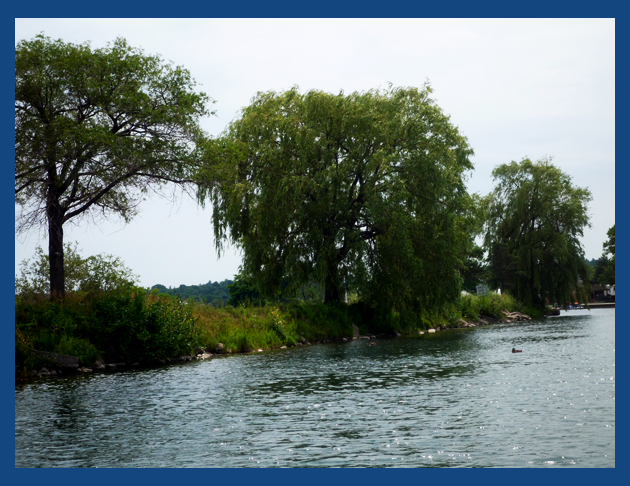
(457, 398)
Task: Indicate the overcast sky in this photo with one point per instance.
(515, 88)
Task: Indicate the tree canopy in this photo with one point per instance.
(605, 269)
(535, 217)
(365, 190)
(94, 130)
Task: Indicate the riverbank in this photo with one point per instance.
(131, 327)
(53, 365)
(243, 329)
(602, 305)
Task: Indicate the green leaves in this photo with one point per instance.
(363, 190)
(605, 272)
(535, 216)
(95, 128)
(92, 274)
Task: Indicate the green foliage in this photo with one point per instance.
(491, 304)
(475, 269)
(213, 293)
(24, 359)
(315, 320)
(243, 292)
(81, 348)
(127, 324)
(92, 274)
(605, 269)
(246, 328)
(142, 327)
(363, 192)
(94, 130)
(243, 329)
(470, 307)
(609, 244)
(535, 217)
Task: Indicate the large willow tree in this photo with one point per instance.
(535, 218)
(364, 190)
(94, 130)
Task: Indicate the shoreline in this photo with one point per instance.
(67, 366)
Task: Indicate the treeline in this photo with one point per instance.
(337, 201)
(602, 270)
(359, 193)
(213, 293)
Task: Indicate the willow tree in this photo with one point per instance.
(364, 190)
(94, 130)
(535, 218)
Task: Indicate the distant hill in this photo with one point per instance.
(213, 293)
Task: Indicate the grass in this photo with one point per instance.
(493, 305)
(246, 328)
(242, 329)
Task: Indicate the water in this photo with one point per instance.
(457, 398)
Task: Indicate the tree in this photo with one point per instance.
(364, 190)
(243, 292)
(212, 293)
(605, 271)
(94, 131)
(474, 270)
(535, 216)
(92, 274)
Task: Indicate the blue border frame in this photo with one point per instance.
(38, 8)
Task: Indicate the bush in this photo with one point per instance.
(126, 324)
(244, 328)
(23, 356)
(81, 348)
(143, 328)
(316, 321)
(95, 273)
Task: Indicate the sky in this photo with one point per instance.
(515, 88)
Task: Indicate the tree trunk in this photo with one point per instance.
(55, 252)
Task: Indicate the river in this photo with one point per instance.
(457, 398)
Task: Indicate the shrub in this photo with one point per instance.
(125, 322)
(95, 273)
(81, 348)
(473, 306)
(144, 328)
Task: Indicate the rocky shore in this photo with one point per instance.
(60, 365)
(64, 365)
